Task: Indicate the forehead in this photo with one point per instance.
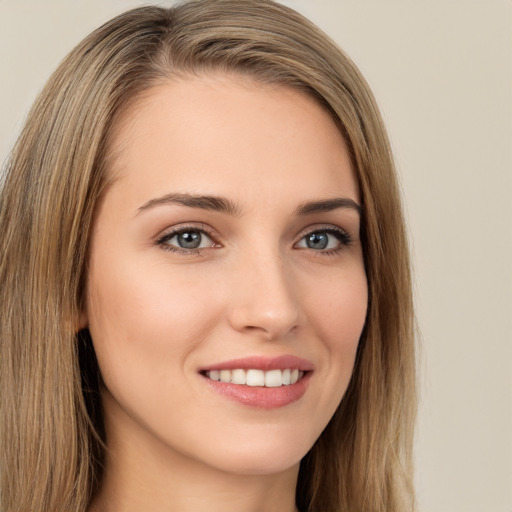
(228, 132)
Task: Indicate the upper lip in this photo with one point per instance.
(263, 363)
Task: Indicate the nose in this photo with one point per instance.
(264, 300)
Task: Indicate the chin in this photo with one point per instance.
(266, 454)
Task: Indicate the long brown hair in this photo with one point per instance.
(51, 447)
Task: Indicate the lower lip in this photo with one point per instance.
(259, 396)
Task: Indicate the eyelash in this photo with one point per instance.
(161, 241)
(341, 235)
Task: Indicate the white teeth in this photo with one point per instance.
(273, 379)
(238, 377)
(269, 379)
(225, 376)
(255, 378)
(214, 374)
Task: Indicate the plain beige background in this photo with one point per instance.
(442, 73)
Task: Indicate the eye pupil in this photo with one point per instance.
(317, 240)
(189, 239)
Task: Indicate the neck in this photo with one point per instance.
(190, 494)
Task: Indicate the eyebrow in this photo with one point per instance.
(215, 203)
(224, 205)
(328, 205)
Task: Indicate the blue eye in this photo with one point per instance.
(186, 239)
(324, 240)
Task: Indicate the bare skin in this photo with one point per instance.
(180, 283)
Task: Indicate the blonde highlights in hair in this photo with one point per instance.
(51, 447)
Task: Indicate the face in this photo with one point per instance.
(226, 291)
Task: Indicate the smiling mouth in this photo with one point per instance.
(257, 378)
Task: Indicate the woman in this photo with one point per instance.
(205, 288)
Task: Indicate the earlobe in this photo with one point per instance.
(83, 321)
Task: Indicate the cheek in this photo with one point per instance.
(337, 314)
(144, 321)
(338, 308)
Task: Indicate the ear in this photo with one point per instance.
(83, 319)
